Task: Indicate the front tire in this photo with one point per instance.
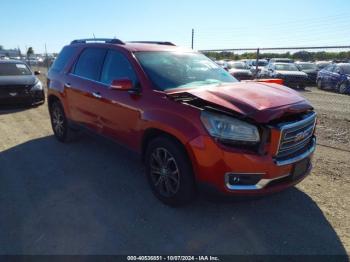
(319, 84)
(343, 88)
(59, 122)
(169, 172)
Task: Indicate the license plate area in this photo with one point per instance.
(300, 168)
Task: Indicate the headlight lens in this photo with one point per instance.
(227, 128)
(38, 86)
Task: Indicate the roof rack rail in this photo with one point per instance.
(154, 42)
(106, 40)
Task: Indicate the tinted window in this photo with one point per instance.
(117, 66)
(286, 67)
(62, 59)
(345, 69)
(90, 63)
(14, 69)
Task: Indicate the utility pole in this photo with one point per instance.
(46, 59)
(257, 63)
(192, 38)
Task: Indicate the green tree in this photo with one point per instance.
(30, 51)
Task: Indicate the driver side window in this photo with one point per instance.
(117, 66)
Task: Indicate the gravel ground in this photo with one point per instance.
(90, 197)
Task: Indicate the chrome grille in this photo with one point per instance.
(296, 137)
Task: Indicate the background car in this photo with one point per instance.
(19, 85)
(239, 70)
(261, 64)
(281, 60)
(289, 72)
(335, 77)
(322, 64)
(223, 64)
(310, 69)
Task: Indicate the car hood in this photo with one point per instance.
(291, 73)
(17, 80)
(239, 71)
(261, 102)
(310, 71)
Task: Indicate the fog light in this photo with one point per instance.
(244, 179)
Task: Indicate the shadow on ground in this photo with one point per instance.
(10, 109)
(91, 197)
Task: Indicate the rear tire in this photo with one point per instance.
(59, 122)
(169, 172)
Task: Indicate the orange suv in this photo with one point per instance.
(192, 122)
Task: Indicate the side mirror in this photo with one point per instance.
(123, 84)
(37, 73)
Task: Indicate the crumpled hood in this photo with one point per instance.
(18, 80)
(261, 102)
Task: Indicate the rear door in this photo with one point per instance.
(80, 89)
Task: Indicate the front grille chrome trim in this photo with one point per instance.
(292, 160)
(288, 135)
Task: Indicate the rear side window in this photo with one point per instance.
(62, 59)
(117, 66)
(90, 62)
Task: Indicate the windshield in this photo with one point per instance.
(237, 65)
(14, 69)
(286, 67)
(307, 66)
(176, 70)
(346, 69)
(260, 63)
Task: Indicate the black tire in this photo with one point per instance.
(319, 84)
(343, 88)
(59, 122)
(173, 189)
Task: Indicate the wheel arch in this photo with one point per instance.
(152, 133)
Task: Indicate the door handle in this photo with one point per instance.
(97, 95)
(68, 85)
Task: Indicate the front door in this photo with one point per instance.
(118, 111)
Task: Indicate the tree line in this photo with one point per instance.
(301, 55)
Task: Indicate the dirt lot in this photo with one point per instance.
(90, 197)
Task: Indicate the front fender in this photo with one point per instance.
(184, 126)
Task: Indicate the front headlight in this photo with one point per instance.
(228, 128)
(38, 86)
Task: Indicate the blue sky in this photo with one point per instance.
(217, 24)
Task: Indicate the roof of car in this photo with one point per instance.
(11, 61)
(139, 47)
(343, 64)
(282, 63)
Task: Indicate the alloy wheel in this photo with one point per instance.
(58, 121)
(164, 172)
